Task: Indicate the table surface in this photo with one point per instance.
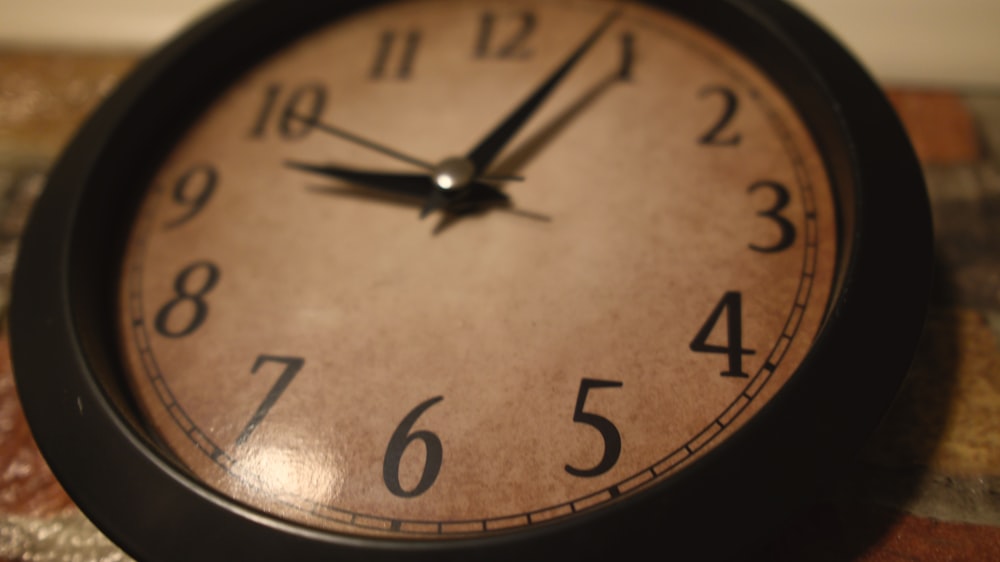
(927, 487)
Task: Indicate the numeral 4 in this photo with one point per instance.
(732, 305)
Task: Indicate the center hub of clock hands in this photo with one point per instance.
(456, 183)
(454, 174)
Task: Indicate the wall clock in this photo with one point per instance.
(437, 280)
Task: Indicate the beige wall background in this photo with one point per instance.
(912, 42)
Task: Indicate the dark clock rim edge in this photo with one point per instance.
(62, 411)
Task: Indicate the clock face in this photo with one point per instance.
(349, 302)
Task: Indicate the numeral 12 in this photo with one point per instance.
(513, 47)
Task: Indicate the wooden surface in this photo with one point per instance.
(927, 489)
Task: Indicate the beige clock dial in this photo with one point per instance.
(632, 276)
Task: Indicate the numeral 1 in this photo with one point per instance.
(628, 56)
(732, 305)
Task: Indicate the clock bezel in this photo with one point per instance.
(65, 349)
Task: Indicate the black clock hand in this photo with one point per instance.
(391, 152)
(467, 189)
(413, 185)
(519, 156)
(483, 154)
(480, 157)
(377, 147)
(410, 185)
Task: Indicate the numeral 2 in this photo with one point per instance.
(732, 305)
(716, 135)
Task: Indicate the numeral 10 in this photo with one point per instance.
(297, 112)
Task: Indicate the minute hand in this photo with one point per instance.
(486, 151)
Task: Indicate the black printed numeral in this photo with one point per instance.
(190, 286)
(628, 56)
(294, 115)
(392, 60)
(732, 305)
(292, 366)
(398, 443)
(513, 46)
(785, 226)
(192, 191)
(719, 134)
(612, 437)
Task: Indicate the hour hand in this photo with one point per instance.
(417, 186)
(411, 185)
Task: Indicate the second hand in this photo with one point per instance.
(381, 148)
(351, 137)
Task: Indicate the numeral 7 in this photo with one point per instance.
(292, 366)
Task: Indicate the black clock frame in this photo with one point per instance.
(65, 345)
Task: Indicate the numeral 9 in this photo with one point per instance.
(193, 191)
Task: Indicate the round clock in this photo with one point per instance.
(477, 280)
